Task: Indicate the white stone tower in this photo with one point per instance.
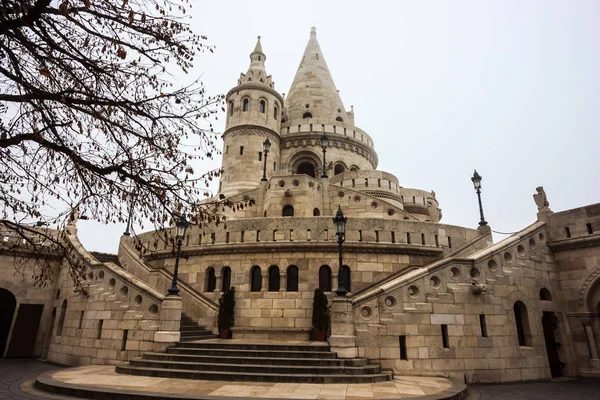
(254, 112)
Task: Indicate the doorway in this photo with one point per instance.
(8, 303)
(22, 344)
(549, 324)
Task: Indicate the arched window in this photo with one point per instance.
(339, 119)
(225, 279)
(325, 278)
(307, 115)
(245, 104)
(265, 213)
(338, 169)
(255, 279)
(522, 323)
(231, 108)
(346, 277)
(210, 279)
(545, 294)
(274, 278)
(288, 211)
(275, 112)
(262, 106)
(292, 278)
(306, 168)
(354, 168)
(316, 212)
(61, 319)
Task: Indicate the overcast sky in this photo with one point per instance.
(511, 88)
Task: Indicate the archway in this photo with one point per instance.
(307, 168)
(8, 303)
(339, 169)
(549, 324)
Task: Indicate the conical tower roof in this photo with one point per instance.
(313, 92)
(256, 71)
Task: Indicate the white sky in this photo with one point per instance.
(510, 87)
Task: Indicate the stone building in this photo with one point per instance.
(425, 298)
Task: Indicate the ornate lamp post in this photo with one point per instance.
(340, 232)
(476, 179)
(324, 144)
(266, 148)
(180, 228)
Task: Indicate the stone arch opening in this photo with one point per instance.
(522, 324)
(274, 278)
(255, 279)
(545, 295)
(225, 279)
(287, 211)
(339, 169)
(325, 278)
(316, 212)
(210, 280)
(306, 168)
(292, 278)
(8, 304)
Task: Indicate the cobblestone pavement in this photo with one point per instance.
(572, 389)
(15, 372)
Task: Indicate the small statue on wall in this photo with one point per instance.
(540, 199)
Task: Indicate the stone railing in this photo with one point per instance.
(124, 314)
(195, 305)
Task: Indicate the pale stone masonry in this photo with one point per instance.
(425, 298)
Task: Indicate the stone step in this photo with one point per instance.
(356, 362)
(193, 338)
(233, 366)
(224, 344)
(248, 353)
(251, 376)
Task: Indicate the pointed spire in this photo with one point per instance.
(313, 91)
(256, 71)
(258, 49)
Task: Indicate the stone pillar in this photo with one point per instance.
(326, 207)
(283, 280)
(589, 333)
(170, 320)
(217, 283)
(265, 281)
(260, 201)
(342, 339)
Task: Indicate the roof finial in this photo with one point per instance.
(313, 31)
(258, 37)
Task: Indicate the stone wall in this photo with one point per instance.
(447, 298)
(114, 317)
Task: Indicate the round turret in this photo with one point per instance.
(253, 114)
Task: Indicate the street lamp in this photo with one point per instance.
(324, 144)
(340, 232)
(476, 179)
(180, 228)
(266, 148)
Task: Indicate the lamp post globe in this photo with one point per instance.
(476, 179)
(324, 145)
(340, 231)
(180, 227)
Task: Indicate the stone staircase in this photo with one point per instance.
(191, 331)
(232, 360)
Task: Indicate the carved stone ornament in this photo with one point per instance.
(479, 288)
(540, 199)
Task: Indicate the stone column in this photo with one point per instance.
(283, 280)
(265, 281)
(260, 201)
(326, 207)
(589, 333)
(342, 339)
(170, 320)
(217, 283)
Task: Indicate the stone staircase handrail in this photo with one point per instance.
(183, 286)
(416, 274)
